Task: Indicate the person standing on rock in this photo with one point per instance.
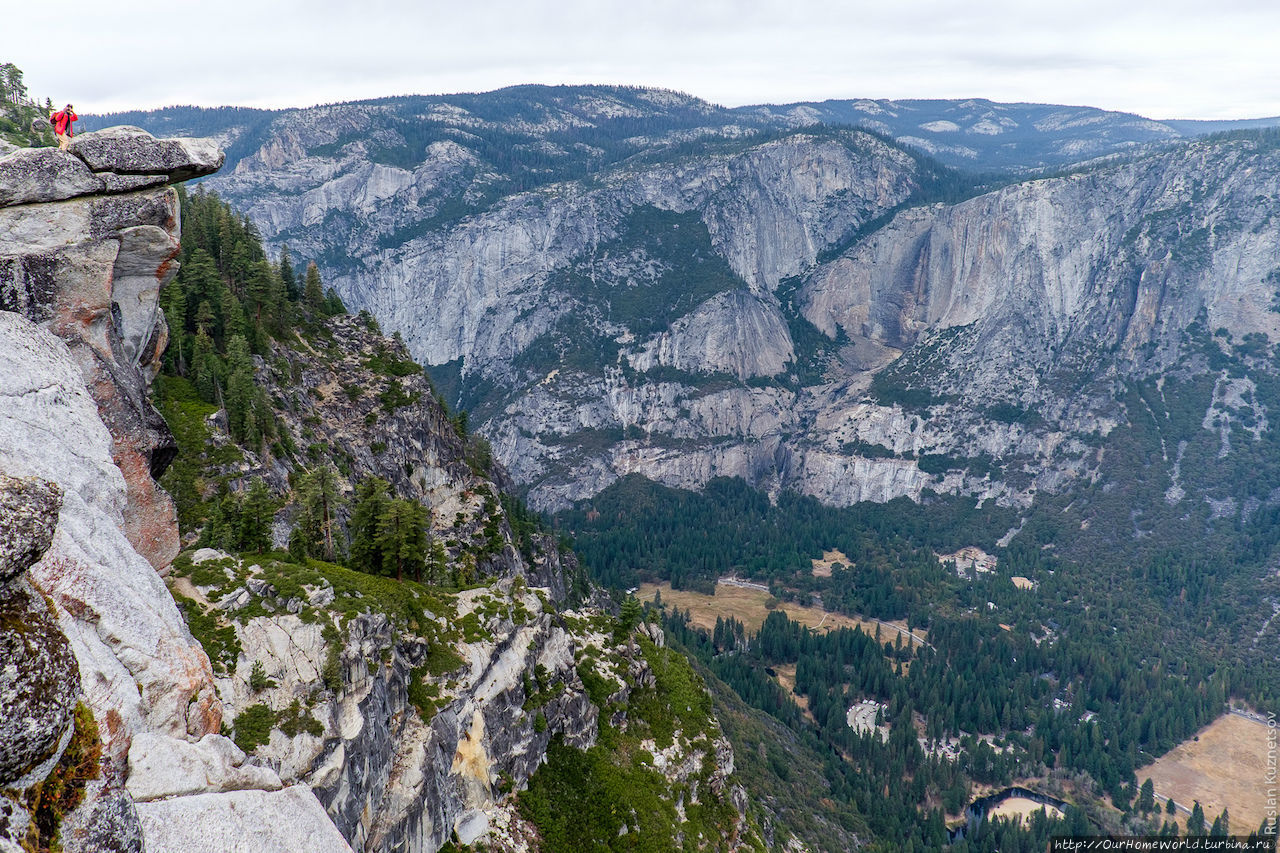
(61, 122)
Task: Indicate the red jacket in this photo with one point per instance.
(62, 120)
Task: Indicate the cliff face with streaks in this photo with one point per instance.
(722, 308)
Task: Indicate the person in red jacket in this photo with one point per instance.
(61, 122)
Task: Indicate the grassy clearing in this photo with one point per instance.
(751, 606)
(822, 568)
(1223, 766)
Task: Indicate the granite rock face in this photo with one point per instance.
(39, 681)
(281, 821)
(106, 823)
(39, 684)
(139, 666)
(80, 338)
(28, 517)
(90, 268)
(1013, 294)
(161, 766)
(388, 777)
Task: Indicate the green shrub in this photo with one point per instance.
(219, 641)
(252, 726)
(295, 719)
(331, 671)
(442, 659)
(258, 680)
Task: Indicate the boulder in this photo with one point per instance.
(44, 174)
(161, 766)
(132, 151)
(282, 821)
(14, 820)
(39, 682)
(28, 516)
(106, 822)
(234, 600)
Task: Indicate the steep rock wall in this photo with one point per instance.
(87, 239)
(1122, 257)
(1038, 296)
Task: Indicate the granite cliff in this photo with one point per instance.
(755, 306)
(88, 240)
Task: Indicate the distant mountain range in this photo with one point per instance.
(972, 133)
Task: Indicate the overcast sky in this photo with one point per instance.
(1166, 59)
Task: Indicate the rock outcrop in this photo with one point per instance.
(412, 729)
(282, 821)
(85, 250)
(87, 239)
(139, 667)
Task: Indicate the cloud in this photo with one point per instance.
(1166, 59)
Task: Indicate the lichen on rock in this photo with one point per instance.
(28, 516)
(39, 682)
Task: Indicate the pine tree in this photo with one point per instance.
(402, 537)
(233, 323)
(299, 544)
(206, 366)
(313, 293)
(628, 618)
(287, 276)
(222, 528)
(318, 493)
(1195, 823)
(241, 391)
(256, 515)
(437, 563)
(262, 288)
(1147, 797)
(371, 500)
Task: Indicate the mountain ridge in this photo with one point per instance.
(922, 123)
